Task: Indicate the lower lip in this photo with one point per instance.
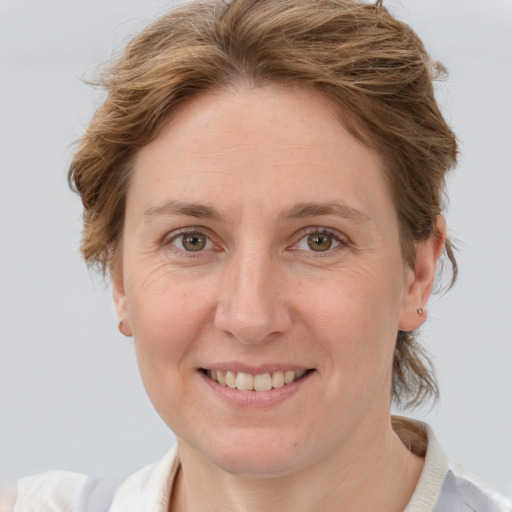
(255, 399)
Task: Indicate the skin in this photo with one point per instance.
(238, 166)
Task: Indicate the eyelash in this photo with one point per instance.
(169, 240)
(334, 236)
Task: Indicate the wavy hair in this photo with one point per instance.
(373, 67)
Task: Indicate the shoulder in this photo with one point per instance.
(464, 490)
(62, 491)
(444, 484)
(53, 491)
(149, 488)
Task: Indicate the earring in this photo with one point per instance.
(120, 328)
(419, 311)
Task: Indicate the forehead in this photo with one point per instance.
(266, 145)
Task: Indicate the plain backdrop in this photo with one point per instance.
(70, 394)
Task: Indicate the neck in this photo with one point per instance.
(374, 472)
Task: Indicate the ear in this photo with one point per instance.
(420, 279)
(118, 291)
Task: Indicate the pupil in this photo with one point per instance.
(319, 242)
(194, 242)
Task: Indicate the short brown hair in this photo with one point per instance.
(372, 66)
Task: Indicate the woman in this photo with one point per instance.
(263, 183)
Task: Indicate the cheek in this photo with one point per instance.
(360, 299)
(166, 320)
(167, 315)
(355, 319)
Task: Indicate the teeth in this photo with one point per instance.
(289, 376)
(231, 379)
(277, 379)
(261, 382)
(244, 381)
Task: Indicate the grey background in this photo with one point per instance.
(70, 395)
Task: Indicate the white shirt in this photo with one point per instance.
(444, 486)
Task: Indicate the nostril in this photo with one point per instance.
(258, 329)
(251, 309)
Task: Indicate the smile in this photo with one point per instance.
(260, 382)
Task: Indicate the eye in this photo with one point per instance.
(320, 241)
(192, 241)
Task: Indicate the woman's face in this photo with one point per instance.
(261, 242)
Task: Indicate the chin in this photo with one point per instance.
(257, 465)
(255, 455)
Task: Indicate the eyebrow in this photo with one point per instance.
(172, 207)
(304, 210)
(297, 212)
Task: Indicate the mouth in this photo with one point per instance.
(259, 382)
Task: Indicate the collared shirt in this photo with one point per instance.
(444, 486)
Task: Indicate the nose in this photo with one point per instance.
(253, 305)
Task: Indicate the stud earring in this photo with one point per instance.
(419, 311)
(120, 328)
